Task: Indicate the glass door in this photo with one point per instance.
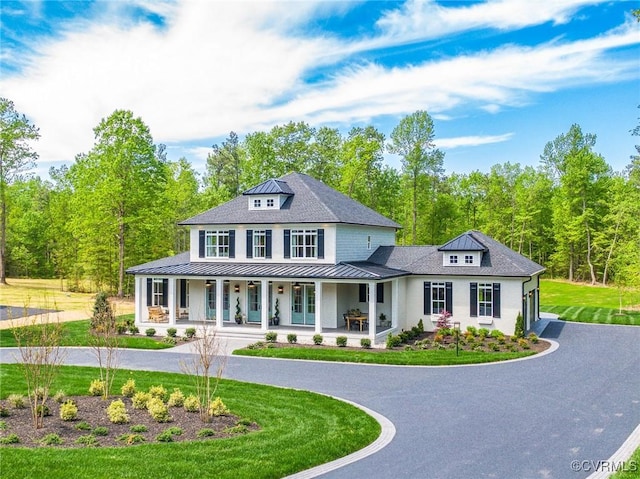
(225, 301)
(211, 301)
(255, 304)
(303, 309)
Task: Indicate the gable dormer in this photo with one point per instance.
(464, 250)
(269, 195)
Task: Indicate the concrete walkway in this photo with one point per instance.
(528, 419)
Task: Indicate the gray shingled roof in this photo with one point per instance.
(270, 187)
(180, 265)
(497, 260)
(311, 202)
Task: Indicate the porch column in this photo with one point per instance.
(172, 301)
(264, 303)
(138, 299)
(219, 303)
(372, 310)
(318, 307)
(394, 302)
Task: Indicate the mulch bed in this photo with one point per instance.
(92, 410)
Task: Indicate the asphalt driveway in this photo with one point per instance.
(525, 419)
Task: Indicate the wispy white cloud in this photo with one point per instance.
(462, 141)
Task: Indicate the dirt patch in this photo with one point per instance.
(93, 412)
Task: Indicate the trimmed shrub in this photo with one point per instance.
(150, 332)
(341, 341)
(519, 331)
(96, 388)
(393, 341)
(473, 330)
(271, 337)
(129, 388)
(420, 326)
(169, 340)
(158, 410)
(190, 332)
(138, 428)
(16, 401)
(172, 332)
(176, 398)
(140, 400)
(365, 343)
(10, 439)
(43, 409)
(317, 339)
(59, 396)
(4, 411)
(117, 412)
(51, 440)
(164, 436)
(100, 431)
(292, 338)
(218, 408)
(121, 328)
(191, 403)
(134, 330)
(159, 392)
(533, 337)
(68, 411)
(205, 432)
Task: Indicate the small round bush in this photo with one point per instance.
(140, 400)
(134, 330)
(365, 343)
(4, 411)
(100, 431)
(51, 440)
(88, 440)
(43, 409)
(10, 439)
(158, 410)
(68, 411)
(138, 428)
(271, 337)
(176, 398)
(131, 438)
(164, 436)
(172, 332)
(159, 392)
(83, 426)
(117, 412)
(59, 396)
(129, 388)
(150, 332)
(533, 337)
(292, 338)
(218, 408)
(317, 339)
(96, 388)
(190, 332)
(206, 432)
(169, 340)
(191, 403)
(16, 401)
(341, 341)
(121, 328)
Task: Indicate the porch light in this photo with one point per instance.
(280, 289)
(236, 288)
(456, 332)
(296, 286)
(251, 285)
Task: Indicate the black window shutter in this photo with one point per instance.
(183, 293)
(268, 243)
(448, 297)
(249, 243)
(362, 293)
(473, 300)
(380, 293)
(201, 234)
(232, 243)
(149, 292)
(496, 300)
(287, 243)
(320, 243)
(427, 298)
(165, 292)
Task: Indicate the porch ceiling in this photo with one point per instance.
(359, 270)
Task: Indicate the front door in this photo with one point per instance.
(255, 304)
(303, 310)
(211, 301)
(225, 301)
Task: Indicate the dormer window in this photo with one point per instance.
(468, 259)
(270, 203)
(453, 259)
(257, 203)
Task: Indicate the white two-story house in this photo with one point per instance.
(294, 254)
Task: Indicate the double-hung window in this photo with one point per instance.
(485, 299)
(259, 244)
(438, 304)
(217, 244)
(453, 259)
(158, 292)
(468, 259)
(304, 243)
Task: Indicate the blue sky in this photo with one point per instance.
(501, 78)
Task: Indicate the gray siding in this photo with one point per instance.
(351, 241)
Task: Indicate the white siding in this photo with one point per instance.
(352, 240)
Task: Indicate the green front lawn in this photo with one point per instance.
(299, 430)
(630, 469)
(413, 358)
(589, 304)
(76, 333)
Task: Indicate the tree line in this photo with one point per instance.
(119, 204)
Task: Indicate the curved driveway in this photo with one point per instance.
(524, 419)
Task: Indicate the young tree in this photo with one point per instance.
(16, 156)
(103, 340)
(40, 358)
